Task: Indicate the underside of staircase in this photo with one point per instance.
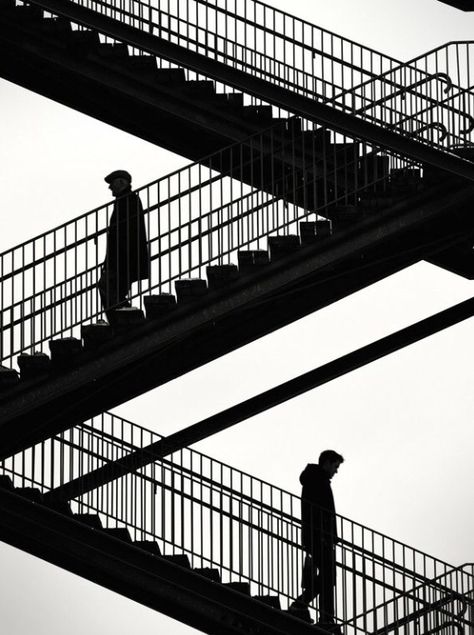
(464, 5)
(137, 570)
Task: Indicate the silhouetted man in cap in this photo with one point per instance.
(319, 537)
(126, 259)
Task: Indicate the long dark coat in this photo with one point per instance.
(317, 509)
(127, 249)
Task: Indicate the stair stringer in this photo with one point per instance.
(136, 574)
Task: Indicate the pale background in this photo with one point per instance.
(404, 423)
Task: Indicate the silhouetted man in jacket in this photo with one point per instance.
(126, 259)
(319, 536)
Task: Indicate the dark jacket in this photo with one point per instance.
(127, 248)
(317, 508)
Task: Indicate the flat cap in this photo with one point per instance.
(118, 174)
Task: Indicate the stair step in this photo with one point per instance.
(92, 520)
(235, 100)
(127, 317)
(6, 482)
(280, 246)
(8, 377)
(405, 174)
(190, 289)
(156, 306)
(405, 182)
(240, 587)
(269, 600)
(204, 87)
(294, 125)
(209, 573)
(320, 139)
(30, 12)
(84, 42)
(311, 232)
(31, 493)
(259, 113)
(113, 51)
(65, 352)
(34, 365)
(220, 276)
(301, 614)
(180, 559)
(121, 533)
(148, 545)
(171, 76)
(348, 151)
(252, 260)
(345, 216)
(60, 506)
(56, 26)
(141, 63)
(372, 172)
(95, 335)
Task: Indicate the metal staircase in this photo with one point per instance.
(321, 166)
(215, 546)
(151, 63)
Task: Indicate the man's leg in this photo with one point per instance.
(113, 293)
(327, 583)
(310, 586)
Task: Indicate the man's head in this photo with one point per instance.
(119, 182)
(329, 461)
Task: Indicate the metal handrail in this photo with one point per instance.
(461, 597)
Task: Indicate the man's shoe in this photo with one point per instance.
(301, 611)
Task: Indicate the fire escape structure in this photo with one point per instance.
(318, 167)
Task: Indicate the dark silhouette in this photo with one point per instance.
(319, 536)
(126, 258)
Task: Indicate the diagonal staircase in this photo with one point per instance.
(232, 559)
(281, 227)
(322, 167)
(192, 88)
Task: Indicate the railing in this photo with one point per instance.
(198, 216)
(294, 54)
(246, 528)
(443, 604)
(453, 58)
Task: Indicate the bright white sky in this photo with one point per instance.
(404, 424)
